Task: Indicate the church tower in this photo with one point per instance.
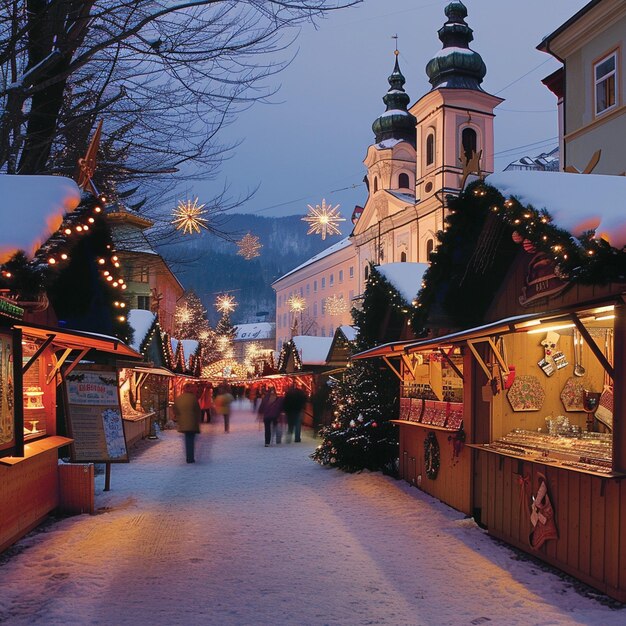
(390, 179)
(454, 124)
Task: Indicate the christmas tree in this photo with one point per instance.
(361, 435)
(190, 317)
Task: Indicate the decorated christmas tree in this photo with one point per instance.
(361, 435)
(190, 317)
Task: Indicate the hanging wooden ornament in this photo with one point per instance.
(529, 246)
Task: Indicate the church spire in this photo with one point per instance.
(456, 66)
(396, 122)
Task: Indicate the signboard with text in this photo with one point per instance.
(94, 415)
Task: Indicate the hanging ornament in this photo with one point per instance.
(335, 305)
(352, 423)
(323, 220)
(225, 303)
(188, 217)
(516, 237)
(249, 247)
(529, 246)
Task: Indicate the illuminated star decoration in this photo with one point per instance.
(296, 303)
(323, 220)
(188, 216)
(335, 305)
(249, 247)
(225, 303)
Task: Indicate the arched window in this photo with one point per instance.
(430, 245)
(430, 149)
(375, 184)
(403, 181)
(403, 257)
(469, 141)
(367, 272)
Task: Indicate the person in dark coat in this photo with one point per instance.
(187, 412)
(293, 406)
(270, 410)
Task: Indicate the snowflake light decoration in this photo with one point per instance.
(249, 247)
(335, 305)
(225, 303)
(188, 216)
(323, 219)
(296, 303)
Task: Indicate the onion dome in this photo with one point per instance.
(456, 66)
(396, 122)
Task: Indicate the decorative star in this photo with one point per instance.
(296, 303)
(225, 303)
(188, 216)
(249, 247)
(323, 220)
(335, 305)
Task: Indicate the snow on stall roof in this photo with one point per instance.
(141, 322)
(405, 277)
(38, 205)
(261, 330)
(336, 247)
(312, 350)
(576, 202)
(174, 344)
(349, 332)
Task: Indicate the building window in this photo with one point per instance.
(323, 331)
(331, 280)
(315, 309)
(340, 276)
(308, 289)
(469, 142)
(301, 292)
(375, 184)
(323, 307)
(352, 271)
(143, 302)
(403, 181)
(367, 272)
(403, 257)
(430, 245)
(606, 86)
(430, 149)
(324, 282)
(314, 286)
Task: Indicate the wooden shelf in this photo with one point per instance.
(428, 426)
(37, 447)
(534, 459)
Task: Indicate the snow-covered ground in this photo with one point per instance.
(264, 536)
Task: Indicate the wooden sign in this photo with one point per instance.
(94, 415)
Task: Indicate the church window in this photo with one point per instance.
(308, 289)
(430, 246)
(469, 141)
(340, 276)
(143, 302)
(605, 84)
(367, 272)
(314, 286)
(403, 257)
(375, 184)
(324, 282)
(352, 271)
(403, 181)
(315, 309)
(331, 280)
(430, 149)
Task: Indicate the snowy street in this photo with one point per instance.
(255, 535)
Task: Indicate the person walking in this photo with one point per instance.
(269, 410)
(206, 402)
(223, 400)
(187, 413)
(293, 406)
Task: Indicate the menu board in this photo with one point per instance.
(94, 415)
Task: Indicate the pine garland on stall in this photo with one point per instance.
(361, 435)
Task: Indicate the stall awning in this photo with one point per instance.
(79, 340)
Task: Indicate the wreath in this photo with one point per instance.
(431, 455)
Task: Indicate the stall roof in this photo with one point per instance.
(385, 349)
(312, 350)
(158, 371)
(77, 339)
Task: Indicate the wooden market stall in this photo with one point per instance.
(32, 483)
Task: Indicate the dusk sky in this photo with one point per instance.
(310, 143)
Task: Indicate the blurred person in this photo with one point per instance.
(293, 406)
(187, 411)
(270, 411)
(206, 403)
(222, 404)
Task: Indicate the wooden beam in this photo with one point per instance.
(37, 354)
(451, 363)
(593, 346)
(479, 359)
(76, 361)
(499, 357)
(393, 369)
(58, 365)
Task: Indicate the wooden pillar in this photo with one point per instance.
(619, 387)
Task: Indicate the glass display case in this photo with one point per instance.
(33, 395)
